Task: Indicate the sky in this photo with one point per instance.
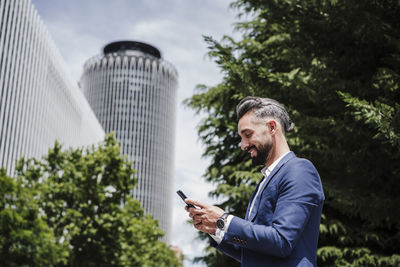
(80, 30)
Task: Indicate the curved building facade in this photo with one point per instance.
(39, 103)
(132, 91)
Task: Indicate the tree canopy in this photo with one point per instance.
(73, 208)
(335, 66)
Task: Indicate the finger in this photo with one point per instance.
(197, 211)
(194, 216)
(196, 220)
(203, 218)
(205, 229)
(196, 203)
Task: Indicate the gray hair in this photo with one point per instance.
(264, 108)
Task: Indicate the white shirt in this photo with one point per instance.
(219, 234)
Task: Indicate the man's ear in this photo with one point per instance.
(272, 126)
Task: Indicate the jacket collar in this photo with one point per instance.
(282, 162)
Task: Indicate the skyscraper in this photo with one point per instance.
(132, 91)
(39, 103)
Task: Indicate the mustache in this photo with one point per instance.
(247, 149)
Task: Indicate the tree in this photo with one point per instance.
(25, 238)
(335, 66)
(83, 196)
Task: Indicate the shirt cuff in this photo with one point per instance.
(228, 222)
(216, 237)
(219, 234)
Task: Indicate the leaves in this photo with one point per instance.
(25, 238)
(73, 208)
(335, 66)
(380, 116)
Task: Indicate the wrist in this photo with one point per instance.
(222, 222)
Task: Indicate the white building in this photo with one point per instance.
(132, 90)
(39, 103)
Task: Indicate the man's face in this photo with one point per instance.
(256, 138)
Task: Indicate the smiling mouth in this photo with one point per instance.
(251, 150)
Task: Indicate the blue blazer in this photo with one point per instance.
(283, 228)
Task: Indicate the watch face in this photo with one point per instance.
(220, 223)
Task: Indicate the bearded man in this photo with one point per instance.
(282, 221)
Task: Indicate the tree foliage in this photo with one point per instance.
(335, 65)
(73, 208)
(25, 238)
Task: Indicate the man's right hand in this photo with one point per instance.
(205, 218)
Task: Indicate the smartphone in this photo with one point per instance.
(183, 196)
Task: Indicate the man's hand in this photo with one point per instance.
(205, 218)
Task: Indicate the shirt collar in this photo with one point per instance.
(266, 171)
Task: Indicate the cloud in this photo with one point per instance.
(81, 29)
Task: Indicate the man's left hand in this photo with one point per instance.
(205, 218)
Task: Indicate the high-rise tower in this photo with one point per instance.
(132, 91)
(39, 102)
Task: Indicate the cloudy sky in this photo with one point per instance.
(80, 29)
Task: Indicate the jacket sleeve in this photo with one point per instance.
(231, 250)
(299, 194)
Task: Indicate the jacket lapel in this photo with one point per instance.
(254, 211)
(251, 199)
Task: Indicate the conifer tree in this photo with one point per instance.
(335, 66)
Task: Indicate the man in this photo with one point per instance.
(281, 226)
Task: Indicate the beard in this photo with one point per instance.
(262, 154)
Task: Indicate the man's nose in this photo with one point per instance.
(243, 145)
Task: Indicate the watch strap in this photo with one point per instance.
(224, 216)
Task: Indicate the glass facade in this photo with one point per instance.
(132, 91)
(39, 103)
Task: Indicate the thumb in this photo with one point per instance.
(196, 203)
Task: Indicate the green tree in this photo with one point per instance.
(335, 65)
(83, 197)
(25, 237)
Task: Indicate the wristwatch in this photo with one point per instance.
(221, 222)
